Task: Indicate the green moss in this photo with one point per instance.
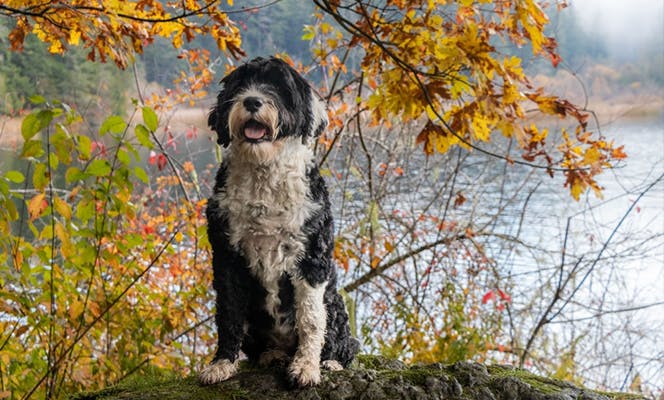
(372, 377)
(368, 361)
(552, 386)
(621, 396)
(540, 383)
(163, 388)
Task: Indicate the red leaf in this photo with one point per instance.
(171, 141)
(459, 200)
(504, 296)
(490, 295)
(192, 133)
(161, 162)
(555, 60)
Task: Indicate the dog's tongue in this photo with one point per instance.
(254, 130)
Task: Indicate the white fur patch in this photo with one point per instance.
(310, 317)
(332, 365)
(267, 114)
(305, 371)
(267, 204)
(218, 371)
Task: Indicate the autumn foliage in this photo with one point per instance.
(104, 258)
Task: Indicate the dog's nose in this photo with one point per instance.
(252, 104)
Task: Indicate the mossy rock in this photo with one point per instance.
(371, 378)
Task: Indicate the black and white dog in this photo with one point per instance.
(270, 226)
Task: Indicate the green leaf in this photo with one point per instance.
(143, 136)
(133, 151)
(85, 210)
(63, 144)
(53, 161)
(14, 176)
(40, 176)
(37, 99)
(150, 118)
(113, 124)
(123, 156)
(309, 32)
(29, 126)
(140, 174)
(47, 233)
(74, 174)
(84, 147)
(99, 168)
(32, 148)
(11, 210)
(35, 122)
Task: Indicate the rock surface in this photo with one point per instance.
(371, 378)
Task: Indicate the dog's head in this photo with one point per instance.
(266, 100)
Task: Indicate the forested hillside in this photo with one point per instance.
(279, 28)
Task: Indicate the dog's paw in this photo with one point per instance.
(331, 365)
(273, 357)
(304, 372)
(218, 371)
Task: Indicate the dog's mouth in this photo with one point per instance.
(255, 132)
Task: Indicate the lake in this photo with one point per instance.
(524, 204)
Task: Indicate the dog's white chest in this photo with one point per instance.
(267, 206)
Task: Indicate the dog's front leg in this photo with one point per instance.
(310, 317)
(231, 315)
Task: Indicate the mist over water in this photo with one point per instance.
(631, 29)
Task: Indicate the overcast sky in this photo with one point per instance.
(623, 22)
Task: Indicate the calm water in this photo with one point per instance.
(635, 277)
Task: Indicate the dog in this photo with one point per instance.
(271, 230)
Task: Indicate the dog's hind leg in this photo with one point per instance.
(332, 365)
(310, 317)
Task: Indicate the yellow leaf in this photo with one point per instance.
(75, 309)
(74, 37)
(510, 94)
(62, 208)
(576, 189)
(591, 156)
(481, 130)
(37, 205)
(444, 142)
(56, 47)
(66, 247)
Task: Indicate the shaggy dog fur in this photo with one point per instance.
(271, 230)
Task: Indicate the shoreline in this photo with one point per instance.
(608, 112)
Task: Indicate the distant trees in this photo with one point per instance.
(68, 77)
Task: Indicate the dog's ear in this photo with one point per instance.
(319, 118)
(218, 122)
(218, 118)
